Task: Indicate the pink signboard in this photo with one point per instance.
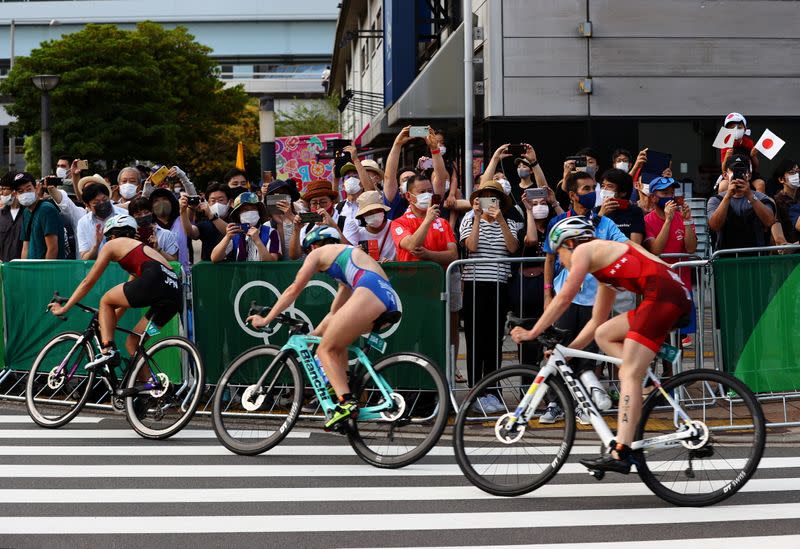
(296, 157)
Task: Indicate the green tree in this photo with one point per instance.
(148, 93)
(308, 119)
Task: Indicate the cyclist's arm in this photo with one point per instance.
(289, 295)
(578, 270)
(103, 259)
(341, 298)
(600, 311)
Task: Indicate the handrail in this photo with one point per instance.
(731, 251)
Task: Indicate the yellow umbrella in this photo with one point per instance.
(240, 156)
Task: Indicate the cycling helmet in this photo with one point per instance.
(318, 234)
(120, 225)
(570, 227)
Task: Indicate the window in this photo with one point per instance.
(378, 26)
(364, 58)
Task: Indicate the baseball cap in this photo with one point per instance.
(661, 183)
(21, 178)
(735, 117)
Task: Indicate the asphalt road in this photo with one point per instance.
(95, 483)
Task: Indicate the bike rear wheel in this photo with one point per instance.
(247, 423)
(505, 463)
(58, 387)
(160, 413)
(407, 432)
(716, 463)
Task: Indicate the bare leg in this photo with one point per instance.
(107, 317)
(610, 335)
(354, 318)
(635, 359)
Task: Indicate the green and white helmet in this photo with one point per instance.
(575, 226)
(318, 234)
(120, 224)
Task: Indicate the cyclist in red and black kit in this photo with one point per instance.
(152, 284)
(635, 336)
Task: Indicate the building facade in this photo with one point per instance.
(563, 74)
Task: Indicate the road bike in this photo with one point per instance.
(58, 385)
(403, 398)
(700, 438)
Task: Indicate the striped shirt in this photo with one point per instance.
(491, 244)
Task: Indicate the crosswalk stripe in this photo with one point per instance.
(321, 494)
(259, 469)
(113, 433)
(26, 419)
(219, 450)
(392, 521)
(774, 542)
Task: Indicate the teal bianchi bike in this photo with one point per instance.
(403, 398)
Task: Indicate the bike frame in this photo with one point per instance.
(557, 364)
(298, 345)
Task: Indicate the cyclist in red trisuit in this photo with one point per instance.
(636, 336)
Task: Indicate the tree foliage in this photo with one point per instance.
(147, 94)
(307, 119)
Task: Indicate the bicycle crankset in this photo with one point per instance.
(508, 430)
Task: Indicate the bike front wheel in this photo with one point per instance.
(164, 410)
(58, 387)
(406, 432)
(724, 454)
(249, 423)
(511, 460)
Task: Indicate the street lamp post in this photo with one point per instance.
(45, 83)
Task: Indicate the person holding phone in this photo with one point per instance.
(89, 232)
(487, 234)
(320, 198)
(370, 228)
(249, 236)
(148, 232)
(213, 222)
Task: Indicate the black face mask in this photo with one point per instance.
(145, 220)
(104, 209)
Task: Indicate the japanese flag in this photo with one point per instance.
(724, 138)
(770, 144)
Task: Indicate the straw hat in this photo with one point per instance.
(492, 188)
(370, 201)
(372, 165)
(91, 179)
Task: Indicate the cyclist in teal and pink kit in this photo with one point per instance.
(636, 336)
(364, 294)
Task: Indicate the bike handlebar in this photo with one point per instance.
(295, 324)
(61, 300)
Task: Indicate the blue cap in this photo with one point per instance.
(661, 183)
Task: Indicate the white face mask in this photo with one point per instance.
(26, 199)
(374, 220)
(352, 185)
(251, 218)
(403, 186)
(624, 166)
(178, 190)
(540, 211)
(794, 179)
(506, 185)
(424, 200)
(127, 190)
(738, 133)
(6, 199)
(219, 209)
(606, 194)
(646, 188)
(61, 172)
(442, 149)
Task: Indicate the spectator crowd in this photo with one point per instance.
(418, 212)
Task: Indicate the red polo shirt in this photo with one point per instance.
(440, 234)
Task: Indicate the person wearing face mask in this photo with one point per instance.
(740, 217)
(283, 212)
(394, 177)
(206, 222)
(129, 181)
(347, 208)
(621, 160)
(62, 168)
(89, 232)
(319, 197)
(166, 210)
(787, 202)
(161, 240)
(580, 186)
(249, 236)
(10, 220)
(615, 191)
(370, 228)
(742, 142)
(42, 231)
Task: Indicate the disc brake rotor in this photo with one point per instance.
(252, 401)
(702, 436)
(397, 411)
(56, 377)
(163, 379)
(503, 429)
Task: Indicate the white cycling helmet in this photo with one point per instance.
(120, 223)
(575, 226)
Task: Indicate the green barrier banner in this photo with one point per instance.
(758, 299)
(28, 287)
(222, 293)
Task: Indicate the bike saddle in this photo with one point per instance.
(525, 323)
(385, 320)
(554, 336)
